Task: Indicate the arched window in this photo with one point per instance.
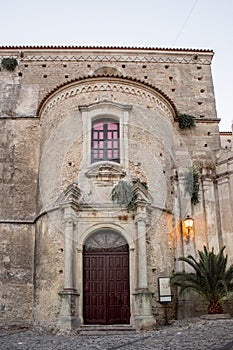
(105, 138)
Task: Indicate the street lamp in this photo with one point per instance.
(188, 221)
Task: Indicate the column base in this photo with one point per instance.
(68, 318)
(143, 318)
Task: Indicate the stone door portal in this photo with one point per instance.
(106, 279)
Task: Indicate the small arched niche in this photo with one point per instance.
(107, 71)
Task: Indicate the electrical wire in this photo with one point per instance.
(186, 20)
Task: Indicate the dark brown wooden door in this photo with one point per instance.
(106, 287)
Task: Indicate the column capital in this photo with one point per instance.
(68, 221)
(79, 250)
(207, 181)
(69, 291)
(141, 217)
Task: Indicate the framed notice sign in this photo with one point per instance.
(165, 294)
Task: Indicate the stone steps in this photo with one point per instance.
(105, 330)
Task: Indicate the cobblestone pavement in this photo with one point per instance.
(195, 334)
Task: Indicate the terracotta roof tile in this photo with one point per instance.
(102, 48)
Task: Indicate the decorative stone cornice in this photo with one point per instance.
(207, 120)
(119, 58)
(223, 175)
(109, 54)
(223, 179)
(228, 159)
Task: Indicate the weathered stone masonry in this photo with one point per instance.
(54, 199)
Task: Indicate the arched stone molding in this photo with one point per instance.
(151, 96)
(82, 237)
(105, 240)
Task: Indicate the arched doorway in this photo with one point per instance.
(106, 297)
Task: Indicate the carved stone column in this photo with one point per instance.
(210, 213)
(141, 243)
(68, 256)
(225, 211)
(143, 317)
(69, 317)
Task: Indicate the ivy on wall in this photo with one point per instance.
(186, 121)
(123, 193)
(192, 185)
(9, 63)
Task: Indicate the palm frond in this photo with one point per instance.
(210, 277)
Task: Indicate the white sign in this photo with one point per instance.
(165, 294)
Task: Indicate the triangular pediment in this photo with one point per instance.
(141, 193)
(71, 196)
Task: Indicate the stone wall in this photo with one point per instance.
(16, 274)
(19, 151)
(49, 271)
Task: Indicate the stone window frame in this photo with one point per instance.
(105, 110)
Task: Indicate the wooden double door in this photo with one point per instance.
(106, 287)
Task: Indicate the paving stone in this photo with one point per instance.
(193, 334)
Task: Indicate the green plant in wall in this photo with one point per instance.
(122, 193)
(9, 63)
(186, 121)
(192, 185)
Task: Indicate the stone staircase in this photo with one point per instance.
(105, 330)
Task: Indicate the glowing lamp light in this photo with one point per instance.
(188, 222)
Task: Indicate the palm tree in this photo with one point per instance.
(211, 278)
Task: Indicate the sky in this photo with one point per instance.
(194, 24)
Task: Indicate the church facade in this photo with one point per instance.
(104, 154)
